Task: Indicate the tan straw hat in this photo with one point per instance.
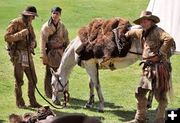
(30, 10)
(147, 15)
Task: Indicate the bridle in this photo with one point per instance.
(63, 90)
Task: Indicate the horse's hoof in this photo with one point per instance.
(88, 105)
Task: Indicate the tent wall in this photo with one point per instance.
(168, 12)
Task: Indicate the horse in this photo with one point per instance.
(70, 58)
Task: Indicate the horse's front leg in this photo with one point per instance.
(92, 70)
(90, 102)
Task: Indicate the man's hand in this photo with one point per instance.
(33, 45)
(24, 32)
(45, 60)
(155, 58)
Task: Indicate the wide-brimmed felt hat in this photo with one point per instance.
(30, 10)
(147, 15)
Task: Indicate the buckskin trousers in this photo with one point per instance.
(47, 82)
(162, 104)
(142, 105)
(19, 70)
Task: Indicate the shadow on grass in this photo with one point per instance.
(79, 104)
(2, 121)
(123, 115)
(29, 108)
(129, 115)
(61, 114)
(119, 111)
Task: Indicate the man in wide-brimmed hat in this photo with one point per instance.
(21, 41)
(30, 10)
(156, 73)
(147, 15)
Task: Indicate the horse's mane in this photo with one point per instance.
(67, 61)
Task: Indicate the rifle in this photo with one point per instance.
(33, 79)
(29, 41)
(11, 48)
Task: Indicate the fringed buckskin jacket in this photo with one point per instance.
(18, 42)
(54, 40)
(157, 46)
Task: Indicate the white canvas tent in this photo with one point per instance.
(169, 13)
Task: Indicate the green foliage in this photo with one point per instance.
(118, 86)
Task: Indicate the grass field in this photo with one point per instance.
(118, 86)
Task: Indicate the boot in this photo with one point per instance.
(160, 120)
(140, 116)
(160, 113)
(19, 100)
(33, 102)
(32, 99)
(141, 110)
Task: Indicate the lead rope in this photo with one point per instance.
(27, 43)
(119, 46)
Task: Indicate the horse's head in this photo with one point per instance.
(60, 93)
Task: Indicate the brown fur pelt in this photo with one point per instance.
(164, 83)
(98, 39)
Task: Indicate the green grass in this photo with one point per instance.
(118, 86)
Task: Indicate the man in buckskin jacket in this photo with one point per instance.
(156, 76)
(21, 41)
(54, 40)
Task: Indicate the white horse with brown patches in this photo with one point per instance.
(92, 64)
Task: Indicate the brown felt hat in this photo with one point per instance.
(147, 15)
(30, 10)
